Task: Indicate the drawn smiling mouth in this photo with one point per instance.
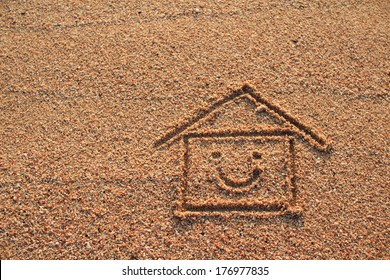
(238, 185)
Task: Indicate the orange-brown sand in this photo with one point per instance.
(197, 130)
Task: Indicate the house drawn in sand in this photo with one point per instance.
(239, 157)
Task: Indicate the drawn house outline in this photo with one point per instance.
(295, 129)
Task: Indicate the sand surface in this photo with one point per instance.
(194, 130)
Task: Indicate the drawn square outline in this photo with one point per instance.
(259, 208)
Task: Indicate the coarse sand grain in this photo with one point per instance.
(197, 130)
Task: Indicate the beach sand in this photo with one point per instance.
(197, 130)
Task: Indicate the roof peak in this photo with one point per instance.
(313, 137)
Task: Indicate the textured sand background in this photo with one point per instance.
(87, 87)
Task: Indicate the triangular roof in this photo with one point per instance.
(296, 126)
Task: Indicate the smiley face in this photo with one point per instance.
(229, 182)
(236, 170)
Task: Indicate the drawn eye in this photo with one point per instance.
(256, 155)
(216, 154)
